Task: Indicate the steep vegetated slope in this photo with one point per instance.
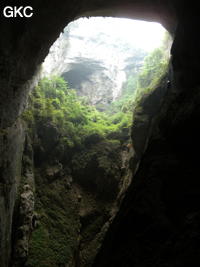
(76, 165)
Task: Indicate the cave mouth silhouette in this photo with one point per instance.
(32, 46)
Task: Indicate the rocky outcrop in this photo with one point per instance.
(25, 218)
(26, 225)
(94, 80)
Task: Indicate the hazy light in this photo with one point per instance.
(115, 44)
(146, 35)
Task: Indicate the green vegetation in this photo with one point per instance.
(155, 66)
(142, 83)
(60, 121)
(54, 240)
(72, 203)
(54, 102)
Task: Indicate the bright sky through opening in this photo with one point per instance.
(146, 35)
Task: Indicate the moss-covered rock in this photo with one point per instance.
(54, 241)
(74, 200)
(98, 169)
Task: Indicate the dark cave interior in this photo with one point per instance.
(158, 223)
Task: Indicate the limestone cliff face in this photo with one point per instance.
(93, 62)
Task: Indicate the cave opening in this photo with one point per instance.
(158, 221)
(80, 138)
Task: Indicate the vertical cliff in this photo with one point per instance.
(90, 54)
(158, 223)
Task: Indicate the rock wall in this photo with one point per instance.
(157, 224)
